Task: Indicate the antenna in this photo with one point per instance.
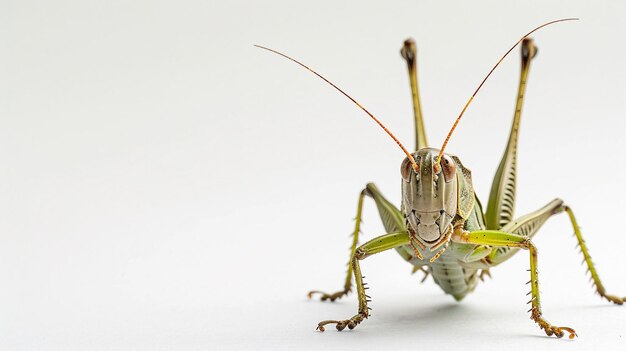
(410, 157)
(445, 143)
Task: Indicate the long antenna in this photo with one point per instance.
(445, 143)
(408, 154)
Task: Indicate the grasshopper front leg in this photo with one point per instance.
(498, 238)
(376, 245)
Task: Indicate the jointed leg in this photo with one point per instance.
(409, 53)
(347, 286)
(501, 203)
(528, 225)
(503, 239)
(483, 273)
(376, 245)
(590, 267)
(392, 220)
(426, 272)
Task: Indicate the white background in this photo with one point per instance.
(166, 186)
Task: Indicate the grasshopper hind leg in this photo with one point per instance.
(501, 205)
(409, 53)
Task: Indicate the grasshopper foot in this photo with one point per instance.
(332, 297)
(483, 273)
(423, 270)
(552, 329)
(341, 325)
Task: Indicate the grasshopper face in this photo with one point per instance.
(429, 197)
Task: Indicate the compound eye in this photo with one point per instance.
(448, 167)
(405, 169)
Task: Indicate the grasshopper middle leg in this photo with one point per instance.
(393, 222)
(347, 286)
(529, 224)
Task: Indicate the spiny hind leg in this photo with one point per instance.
(497, 238)
(501, 203)
(409, 53)
(529, 225)
(374, 246)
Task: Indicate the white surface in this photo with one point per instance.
(166, 186)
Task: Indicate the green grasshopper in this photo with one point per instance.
(441, 228)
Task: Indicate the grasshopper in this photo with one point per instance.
(441, 228)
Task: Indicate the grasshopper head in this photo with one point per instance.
(429, 196)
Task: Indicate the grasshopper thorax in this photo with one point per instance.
(429, 196)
